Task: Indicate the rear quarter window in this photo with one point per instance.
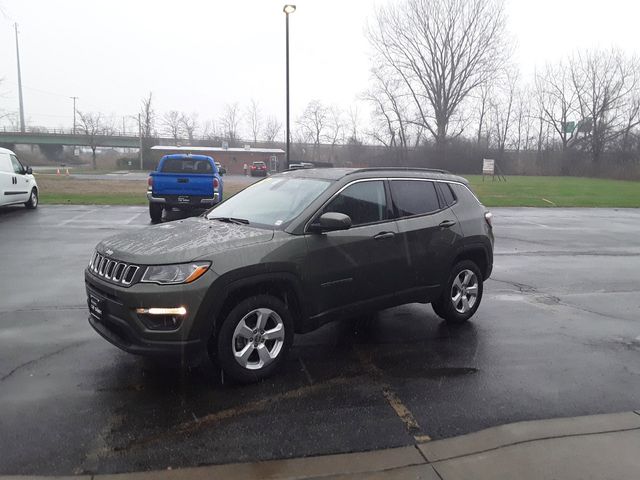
(447, 193)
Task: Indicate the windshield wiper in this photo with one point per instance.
(237, 221)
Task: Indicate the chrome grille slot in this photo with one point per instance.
(129, 274)
(118, 271)
(108, 272)
(112, 270)
(103, 264)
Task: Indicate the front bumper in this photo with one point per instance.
(173, 200)
(120, 325)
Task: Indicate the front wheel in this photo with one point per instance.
(461, 295)
(155, 212)
(33, 199)
(254, 338)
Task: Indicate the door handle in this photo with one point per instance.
(383, 235)
(447, 224)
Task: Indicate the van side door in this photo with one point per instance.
(22, 184)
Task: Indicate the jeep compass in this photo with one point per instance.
(286, 255)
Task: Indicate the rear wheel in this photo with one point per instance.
(461, 295)
(33, 199)
(254, 338)
(155, 212)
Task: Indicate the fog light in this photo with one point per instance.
(161, 318)
(161, 311)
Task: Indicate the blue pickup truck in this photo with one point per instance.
(187, 182)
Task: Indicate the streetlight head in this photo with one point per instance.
(289, 9)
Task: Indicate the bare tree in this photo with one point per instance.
(272, 129)
(483, 107)
(254, 119)
(335, 126)
(230, 121)
(606, 83)
(558, 100)
(353, 124)
(92, 125)
(502, 106)
(441, 50)
(172, 122)
(189, 124)
(313, 122)
(390, 126)
(147, 116)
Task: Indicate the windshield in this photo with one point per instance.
(272, 202)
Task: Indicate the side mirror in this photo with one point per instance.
(331, 221)
(28, 170)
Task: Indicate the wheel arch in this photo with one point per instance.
(282, 285)
(478, 254)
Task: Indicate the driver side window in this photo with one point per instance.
(17, 166)
(364, 202)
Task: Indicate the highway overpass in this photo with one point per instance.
(70, 139)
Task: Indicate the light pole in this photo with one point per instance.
(22, 128)
(287, 10)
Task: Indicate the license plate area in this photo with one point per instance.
(96, 307)
(184, 199)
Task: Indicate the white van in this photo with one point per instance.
(17, 184)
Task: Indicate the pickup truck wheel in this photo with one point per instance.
(33, 199)
(254, 338)
(461, 295)
(155, 212)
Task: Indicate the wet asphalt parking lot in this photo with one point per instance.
(558, 334)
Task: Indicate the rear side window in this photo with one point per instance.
(364, 202)
(414, 197)
(447, 193)
(174, 165)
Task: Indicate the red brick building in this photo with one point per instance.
(233, 159)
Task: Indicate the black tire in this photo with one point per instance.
(226, 343)
(33, 200)
(155, 212)
(446, 308)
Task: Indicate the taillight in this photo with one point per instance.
(216, 183)
(488, 216)
(150, 182)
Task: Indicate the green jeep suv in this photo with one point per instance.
(286, 255)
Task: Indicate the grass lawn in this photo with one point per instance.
(78, 191)
(521, 191)
(516, 192)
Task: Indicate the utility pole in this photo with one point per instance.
(22, 128)
(140, 133)
(74, 113)
(288, 9)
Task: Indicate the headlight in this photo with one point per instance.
(174, 274)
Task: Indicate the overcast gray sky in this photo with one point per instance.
(198, 55)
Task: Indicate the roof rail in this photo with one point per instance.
(417, 169)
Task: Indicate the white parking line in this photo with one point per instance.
(73, 219)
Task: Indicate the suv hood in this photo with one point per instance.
(180, 241)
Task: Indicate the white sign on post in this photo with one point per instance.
(488, 166)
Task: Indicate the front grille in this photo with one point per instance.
(112, 270)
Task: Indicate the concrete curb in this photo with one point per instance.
(521, 432)
(498, 452)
